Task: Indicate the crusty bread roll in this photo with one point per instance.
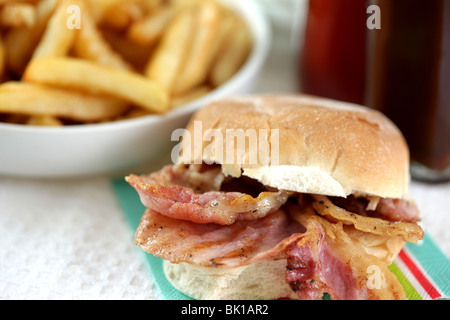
(325, 147)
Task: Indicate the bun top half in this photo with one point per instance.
(308, 144)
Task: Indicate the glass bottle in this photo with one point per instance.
(408, 79)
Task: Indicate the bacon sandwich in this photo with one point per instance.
(323, 211)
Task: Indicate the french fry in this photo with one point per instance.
(149, 30)
(90, 44)
(21, 42)
(121, 15)
(233, 55)
(58, 38)
(195, 71)
(2, 57)
(90, 77)
(45, 121)
(151, 27)
(3, 2)
(166, 62)
(36, 100)
(99, 8)
(226, 26)
(18, 14)
(148, 6)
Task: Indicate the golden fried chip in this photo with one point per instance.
(90, 77)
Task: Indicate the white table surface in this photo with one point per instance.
(68, 239)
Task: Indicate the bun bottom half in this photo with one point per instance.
(257, 281)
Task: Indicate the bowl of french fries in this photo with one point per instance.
(98, 86)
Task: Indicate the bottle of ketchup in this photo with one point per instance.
(332, 62)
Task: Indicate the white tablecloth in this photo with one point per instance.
(68, 239)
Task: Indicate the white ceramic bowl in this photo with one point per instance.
(117, 146)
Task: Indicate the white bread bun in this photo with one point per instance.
(257, 281)
(325, 146)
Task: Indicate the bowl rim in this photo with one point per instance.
(259, 24)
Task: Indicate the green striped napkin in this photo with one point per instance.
(422, 268)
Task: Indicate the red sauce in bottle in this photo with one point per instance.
(409, 79)
(333, 57)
